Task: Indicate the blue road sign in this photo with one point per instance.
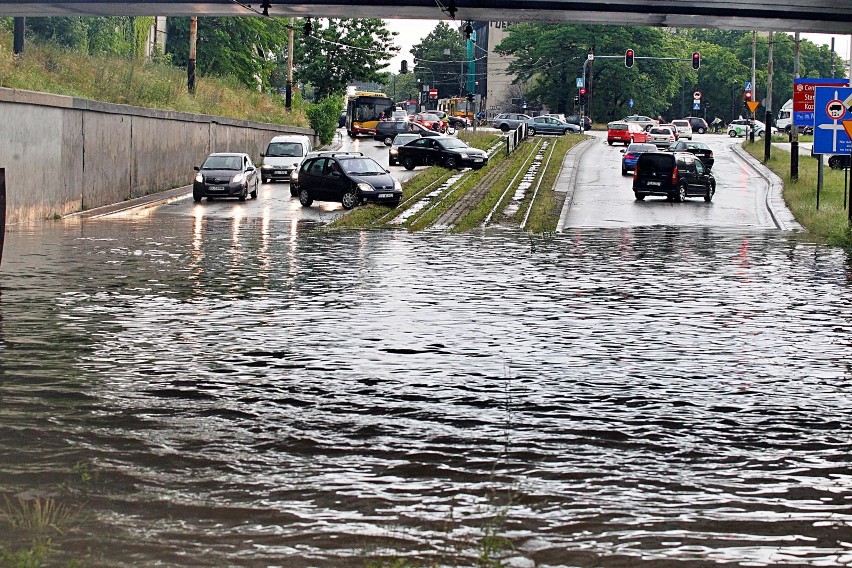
(580, 82)
(747, 86)
(696, 105)
(630, 102)
(831, 108)
(803, 97)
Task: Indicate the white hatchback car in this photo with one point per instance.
(662, 136)
(684, 129)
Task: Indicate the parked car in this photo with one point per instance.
(697, 124)
(559, 117)
(283, 155)
(684, 130)
(576, 119)
(631, 154)
(618, 131)
(386, 130)
(674, 175)
(442, 151)
(646, 122)
(401, 139)
(510, 120)
(662, 136)
(346, 177)
(225, 174)
(699, 149)
(549, 125)
(429, 120)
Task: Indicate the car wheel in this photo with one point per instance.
(732, 133)
(254, 193)
(760, 134)
(504, 127)
(244, 194)
(532, 131)
(305, 198)
(701, 130)
(609, 142)
(639, 196)
(264, 180)
(196, 197)
(648, 128)
(408, 163)
(388, 140)
(350, 198)
(294, 191)
(451, 162)
(623, 171)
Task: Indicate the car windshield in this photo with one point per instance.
(223, 163)
(362, 167)
(453, 143)
(284, 150)
(401, 139)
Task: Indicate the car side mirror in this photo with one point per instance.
(623, 150)
(387, 171)
(262, 155)
(197, 168)
(249, 169)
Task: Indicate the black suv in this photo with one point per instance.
(387, 130)
(674, 175)
(697, 124)
(349, 178)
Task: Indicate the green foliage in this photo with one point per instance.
(324, 116)
(241, 47)
(343, 52)
(437, 68)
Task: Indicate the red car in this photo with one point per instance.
(428, 120)
(618, 132)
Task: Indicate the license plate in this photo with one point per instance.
(385, 195)
(477, 160)
(216, 188)
(655, 183)
(280, 172)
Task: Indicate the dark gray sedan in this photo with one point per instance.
(226, 174)
(550, 125)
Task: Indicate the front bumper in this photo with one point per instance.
(389, 196)
(281, 173)
(204, 189)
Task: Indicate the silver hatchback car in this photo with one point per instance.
(510, 120)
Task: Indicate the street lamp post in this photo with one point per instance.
(433, 83)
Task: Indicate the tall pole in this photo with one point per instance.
(767, 135)
(288, 95)
(753, 76)
(190, 68)
(832, 57)
(20, 24)
(794, 130)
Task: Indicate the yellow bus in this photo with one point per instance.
(364, 110)
(457, 106)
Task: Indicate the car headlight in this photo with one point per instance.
(394, 151)
(266, 167)
(239, 178)
(364, 186)
(463, 155)
(396, 185)
(199, 178)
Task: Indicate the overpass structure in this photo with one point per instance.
(810, 16)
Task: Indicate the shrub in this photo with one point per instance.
(323, 117)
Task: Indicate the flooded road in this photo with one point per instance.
(239, 391)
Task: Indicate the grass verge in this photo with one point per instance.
(830, 221)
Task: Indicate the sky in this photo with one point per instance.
(412, 32)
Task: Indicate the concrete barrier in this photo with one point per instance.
(63, 155)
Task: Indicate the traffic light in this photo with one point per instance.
(583, 95)
(696, 60)
(628, 58)
(403, 67)
(747, 96)
(470, 97)
(577, 100)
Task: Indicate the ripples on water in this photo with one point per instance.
(250, 396)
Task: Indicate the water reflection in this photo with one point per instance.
(243, 393)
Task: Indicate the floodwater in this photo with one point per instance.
(234, 392)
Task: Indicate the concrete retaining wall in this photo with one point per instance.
(62, 155)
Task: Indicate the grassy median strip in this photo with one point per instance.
(547, 206)
(830, 220)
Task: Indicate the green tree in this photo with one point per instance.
(439, 60)
(245, 48)
(402, 86)
(340, 52)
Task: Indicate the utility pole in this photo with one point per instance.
(767, 135)
(288, 95)
(794, 130)
(753, 76)
(190, 67)
(20, 24)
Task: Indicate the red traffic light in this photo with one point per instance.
(748, 95)
(628, 58)
(583, 91)
(696, 60)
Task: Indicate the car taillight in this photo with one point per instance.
(674, 176)
(636, 171)
(629, 156)
(711, 153)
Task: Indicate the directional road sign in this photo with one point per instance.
(580, 83)
(630, 103)
(830, 112)
(803, 97)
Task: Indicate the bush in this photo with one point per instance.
(323, 117)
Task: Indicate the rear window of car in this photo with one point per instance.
(660, 131)
(617, 126)
(641, 148)
(661, 163)
(698, 146)
(680, 123)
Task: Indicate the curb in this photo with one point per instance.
(775, 204)
(144, 202)
(567, 179)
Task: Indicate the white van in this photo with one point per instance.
(784, 121)
(283, 155)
